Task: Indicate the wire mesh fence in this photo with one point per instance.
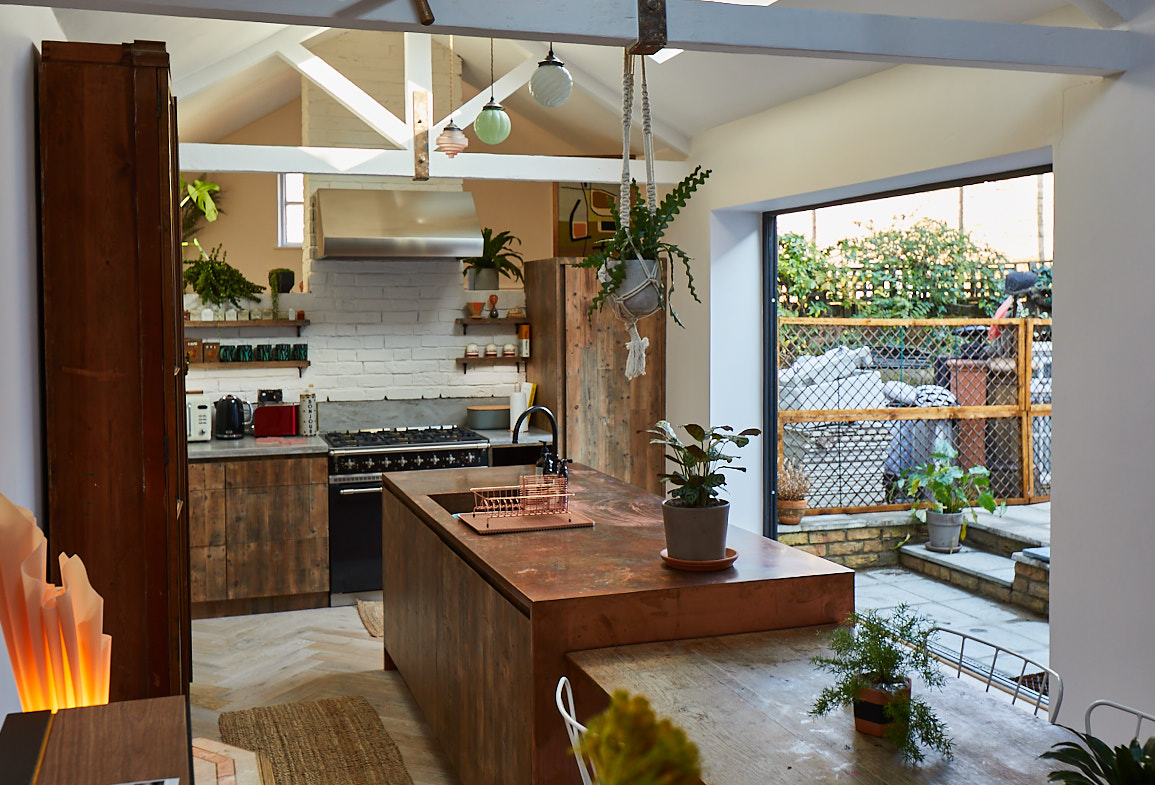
(860, 401)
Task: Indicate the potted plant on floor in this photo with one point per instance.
(1095, 763)
(793, 488)
(952, 493)
(632, 265)
(873, 660)
(628, 745)
(695, 518)
(497, 257)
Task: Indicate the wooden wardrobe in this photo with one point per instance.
(113, 349)
(579, 366)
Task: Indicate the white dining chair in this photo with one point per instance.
(575, 730)
(1139, 715)
(1042, 687)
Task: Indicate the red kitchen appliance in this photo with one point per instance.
(275, 419)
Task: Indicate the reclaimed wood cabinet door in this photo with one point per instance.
(578, 362)
(113, 349)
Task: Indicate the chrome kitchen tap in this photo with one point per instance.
(555, 464)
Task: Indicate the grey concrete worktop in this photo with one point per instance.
(249, 447)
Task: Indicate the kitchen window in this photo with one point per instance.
(290, 209)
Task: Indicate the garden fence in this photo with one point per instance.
(862, 400)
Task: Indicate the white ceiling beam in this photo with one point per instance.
(251, 55)
(216, 158)
(346, 93)
(1106, 13)
(418, 71)
(503, 88)
(697, 26)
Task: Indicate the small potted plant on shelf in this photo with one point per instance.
(873, 660)
(951, 493)
(695, 518)
(628, 745)
(633, 264)
(793, 488)
(280, 282)
(1095, 763)
(497, 256)
(216, 281)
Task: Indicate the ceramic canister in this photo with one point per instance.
(307, 415)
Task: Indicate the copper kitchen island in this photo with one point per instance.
(479, 626)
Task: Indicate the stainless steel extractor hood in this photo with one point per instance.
(398, 224)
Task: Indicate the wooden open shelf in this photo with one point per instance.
(483, 321)
(300, 365)
(250, 323)
(465, 362)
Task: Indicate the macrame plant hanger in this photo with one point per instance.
(624, 301)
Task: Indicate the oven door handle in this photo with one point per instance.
(353, 491)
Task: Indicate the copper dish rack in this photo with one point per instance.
(538, 502)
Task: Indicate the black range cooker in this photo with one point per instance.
(356, 461)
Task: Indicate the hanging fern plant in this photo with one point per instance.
(644, 239)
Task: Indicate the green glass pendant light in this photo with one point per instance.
(492, 126)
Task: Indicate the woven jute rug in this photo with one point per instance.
(334, 741)
(373, 617)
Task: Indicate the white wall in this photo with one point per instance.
(908, 120)
(21, 30)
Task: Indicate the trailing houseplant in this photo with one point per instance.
(216, 281)
(695, 518)
(873, 660)
(616, 259)
(953, 493)
(1095, 763)
(280, 282)
(497, 257)
(629, 745)
(793, 488)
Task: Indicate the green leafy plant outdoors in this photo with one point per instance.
(496, 254)
(950, 487)
(873, 651)
(629, 745)
(924, 271)
(1095, 763)
(700, 463)
(643, 239)
(216, 281)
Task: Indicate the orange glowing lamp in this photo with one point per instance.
(59, 655)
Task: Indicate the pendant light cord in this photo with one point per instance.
(491, 69)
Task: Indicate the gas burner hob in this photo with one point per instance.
(357, 456)
(403, 437)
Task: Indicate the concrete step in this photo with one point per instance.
(984, 573)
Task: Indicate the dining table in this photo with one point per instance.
(745, 701)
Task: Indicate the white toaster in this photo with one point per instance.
(198, 418)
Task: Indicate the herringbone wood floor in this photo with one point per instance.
(262, 660)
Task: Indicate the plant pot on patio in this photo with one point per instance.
(944, 531)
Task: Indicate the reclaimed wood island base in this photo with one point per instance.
(479, 626)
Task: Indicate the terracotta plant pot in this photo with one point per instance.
(790, 511)
(696, 533)
(943, 531)
(870, 709)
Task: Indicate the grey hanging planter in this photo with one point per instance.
(640, 292)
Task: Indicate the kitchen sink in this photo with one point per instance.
(454, 503)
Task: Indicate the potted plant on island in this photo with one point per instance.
(873, 661)
(953, 492)
(628, 745)
(632, 265)
(793, 488)
(497, 256)
(695, 518)
(216, 281)
(1095, 763)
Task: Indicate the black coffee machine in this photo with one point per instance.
(230, 417)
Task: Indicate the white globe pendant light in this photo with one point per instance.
(551, 84)
(492, 126)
